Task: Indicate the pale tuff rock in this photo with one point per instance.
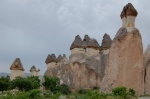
(125, 67)
(106, 42)
(16, 69)
(34, 71)
(87, 46)
(147, 70)
(115, 63)
(128, 15)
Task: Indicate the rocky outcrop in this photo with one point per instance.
(128, 10)
(77, 43)
(115, 63)
(33, 68)
(17, 65)
(106, 42)
(125, 66)
(147, 70)
(16, 69)
(34, 71)
(51, 58)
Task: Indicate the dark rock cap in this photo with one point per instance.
(33, 68)
(50, 58)
(77, 43)
(86, 43)
(59, 58)
(128, 10)
(17, 65)
(92, 43)
(106, 42)
(86, 38)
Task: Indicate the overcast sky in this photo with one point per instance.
(32, 29)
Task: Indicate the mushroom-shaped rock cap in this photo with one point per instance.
(59, 58)
(92, 43)
(17, 65)
(128, 10)
(86, 38)
(77, 43)
(106, 42)
(50, 58)
(33, 68)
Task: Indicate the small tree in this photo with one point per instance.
(4, 83)
(51, 83)
(132, 92)
(120, 91)
(26, 84)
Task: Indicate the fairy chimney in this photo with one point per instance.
(51, 61)
(76, 47)
(16, 69)
(125, 66)
(34, 71)
(128, 16)
(106, 44)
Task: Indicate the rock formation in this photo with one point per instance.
(84, 69)
(114, 63)
(147, 70)
(125, 66)
(34, 71)
(16, 69)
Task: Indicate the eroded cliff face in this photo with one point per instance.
(114, 63)
(147, 70)
(125, 66)
(81, 71)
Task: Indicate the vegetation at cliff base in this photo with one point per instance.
(29, 88)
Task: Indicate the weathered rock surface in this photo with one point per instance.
(115, 63)
(125, 66)
(128, 10)
(51, 58)
(147, 70)
(33, 68)
(80, 71)
(17, 65)
(106, 42)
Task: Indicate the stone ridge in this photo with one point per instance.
(106, 42)
(50, 58)
(87, 42)
(17, 65)
(128, 10)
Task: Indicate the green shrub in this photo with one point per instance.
(82, 91)
(64, 89)
(120, 91)
(95, 88)
(131, 92)
(34, 94)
